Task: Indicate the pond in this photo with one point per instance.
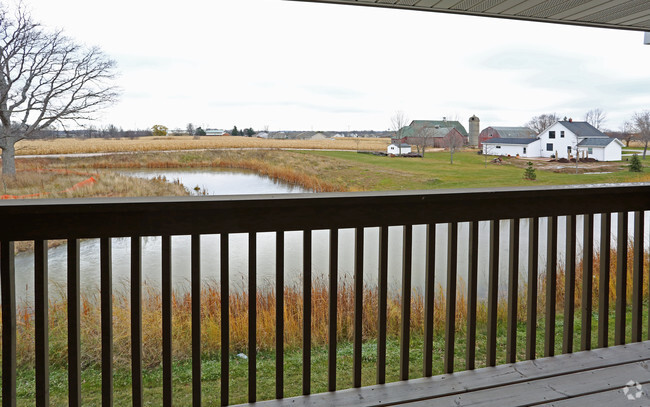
(228, 182)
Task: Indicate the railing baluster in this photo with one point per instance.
(74, 324)
(429, 290)
(637, 285)
(450, 322)
(333, 297)
(603, 283)
(252, 317)
(382, 301)
(306, 312)
(41, 341)
(513, 292)
(136, 321)
(405, 327)
(279, 314)
(531, 297)
(106, 294)
(225, 318)
(587, 279)
(621, 279)
(196, 318)
(569, 284)
(167, 319)
(8, 287)
(493, 295)
(358, 306)
(551, 285)
(472, 296)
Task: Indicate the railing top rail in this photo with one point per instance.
(115, 217)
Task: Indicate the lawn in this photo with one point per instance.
(469, 170)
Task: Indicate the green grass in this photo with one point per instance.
(435, 171)
(91, 376)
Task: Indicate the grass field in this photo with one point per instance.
(350, 171)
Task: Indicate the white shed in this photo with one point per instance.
(397, 149)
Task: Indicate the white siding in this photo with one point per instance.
(560, 144)
(393, 149)
(532, 149)
(613, 152)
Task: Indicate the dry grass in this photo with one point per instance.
(170, 143)
(265, 302)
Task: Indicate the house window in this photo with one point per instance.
(590, 150)
(568, 149)
(549, 147)
(562, 134)
(551, 134)
(524, 150)
(498, 146)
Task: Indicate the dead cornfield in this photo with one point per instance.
(172, 143)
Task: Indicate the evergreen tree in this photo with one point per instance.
(234, 131)
(635, 164)
(529, 173)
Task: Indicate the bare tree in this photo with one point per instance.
(641, 121)
(596, 117)
(398, 123)
(423, 139)
(625, 133)
(190, 129)
(453, 141)
(46, 79)
(541, 122)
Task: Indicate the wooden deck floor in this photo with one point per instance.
(592, 378)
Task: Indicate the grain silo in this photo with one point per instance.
(474, 130)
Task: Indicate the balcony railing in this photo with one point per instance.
(134, 218)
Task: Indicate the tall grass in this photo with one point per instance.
(211, 303)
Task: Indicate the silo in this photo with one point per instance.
(474, 130)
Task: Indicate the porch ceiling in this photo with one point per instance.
(619, 14)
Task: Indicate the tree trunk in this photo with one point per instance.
(9, 159)
(645, 149)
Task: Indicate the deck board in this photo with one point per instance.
(563, 377)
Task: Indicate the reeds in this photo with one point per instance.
(211, 303)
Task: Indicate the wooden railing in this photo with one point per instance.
(41, 220)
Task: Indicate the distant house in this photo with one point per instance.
(398, 148)
(505, 132)
(565, 139)
(515, 147)
(215, 132)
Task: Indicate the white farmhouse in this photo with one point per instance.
(564, 138)
(514, 147)
(397, 149)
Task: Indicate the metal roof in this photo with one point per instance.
(515, 141)
(597, 142)
(620, 14)
(515, 132)
(583, 129)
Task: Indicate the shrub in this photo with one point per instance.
(529, 172)
(635, 164)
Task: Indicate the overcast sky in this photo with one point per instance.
(293, 65)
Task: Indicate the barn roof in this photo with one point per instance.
(620, 14)
(418, 124)
(515, 132)
(516, 141)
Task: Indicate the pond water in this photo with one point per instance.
(237, 182)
